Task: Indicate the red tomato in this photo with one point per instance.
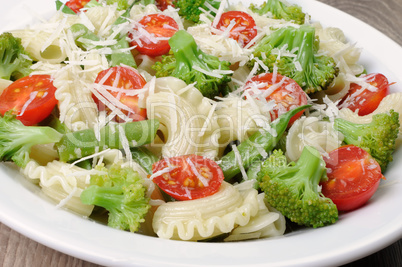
(76, 5)
(183, 182)
(31, 98)
(244, 29)
(366, 100)
(286, 93)
(152, 35)
(163, 4)
(117, 79)
(353, 177)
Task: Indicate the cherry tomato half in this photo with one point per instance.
(115, 81)
(366, 100)
(152, 35)
(188, 177)
(244, 29)
(286, 93)
(76, 5)
(353, 177)
(31, 98)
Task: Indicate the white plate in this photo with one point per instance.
(356, 235)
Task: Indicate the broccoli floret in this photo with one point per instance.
(191, 65)
(191, 9)
(293, 188)
(121, 4)
(16, 139)
(313, 72)
(377, 137)
(280, 10)
(15, 62)
(122, 193)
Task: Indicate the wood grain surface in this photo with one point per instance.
(384, 15)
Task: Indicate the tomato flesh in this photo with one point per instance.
(353, 177)
(284, 91)
(155, 40)
(188, 177)
(31, 98)
(244, 29)
(366, 100)
(76, 5)
(118, 79)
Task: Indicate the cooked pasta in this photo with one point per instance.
(175, 104)
(198, 219)
(62, 182)
(42, 45)
(268, 222)
(311, 131)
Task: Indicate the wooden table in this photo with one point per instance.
(385, 15)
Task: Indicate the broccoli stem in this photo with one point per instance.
(264, 139)
(186, 52)
(313, 175)
(75, 145)
(106, 197)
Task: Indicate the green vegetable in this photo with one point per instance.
(16, 139)
(119, 57)
(65, 9)
(122, 193)
(83, 37)
(144, 157)
(15, 62)
(75, 145)
(293, 189)
(312, 71)
(121, 4)
(377, 137)
(280, 10)
(186, 56)
(191, 9)
(263, 139)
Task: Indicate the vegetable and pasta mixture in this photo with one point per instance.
(196, 120)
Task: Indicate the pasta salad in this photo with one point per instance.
(195, 120)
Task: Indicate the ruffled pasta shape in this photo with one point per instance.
(77, 110)
(187, 119)
(238, 118)
(333, 41)
(77, 107)
(62, 182)
(267, 223)
(206, 217)
(311, 131)
(225, 49)
(100, 19)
